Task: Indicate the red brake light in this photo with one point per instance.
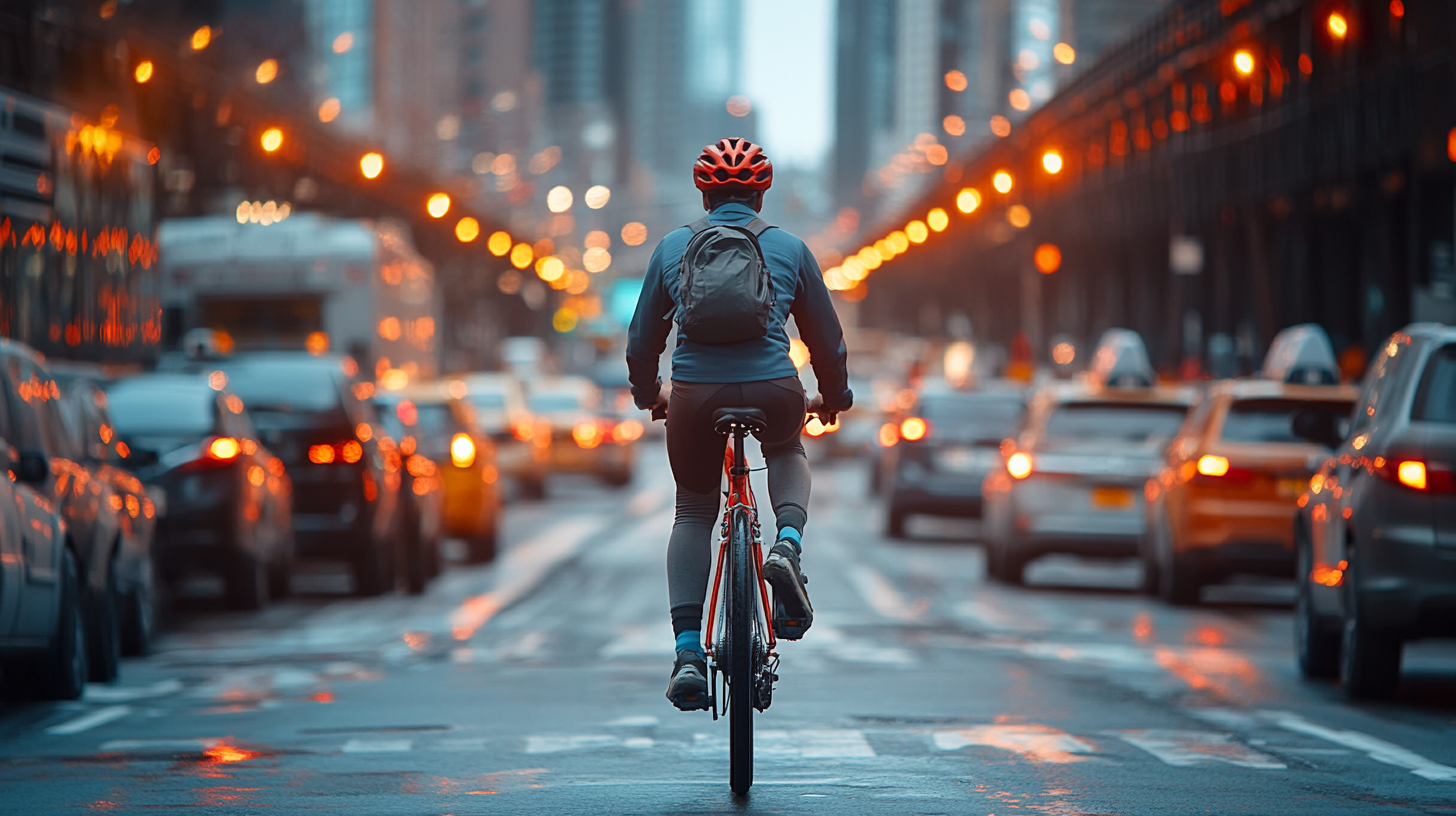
(1418, 475)
(223, 448)
(1019, 465)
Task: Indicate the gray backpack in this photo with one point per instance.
(725, 292)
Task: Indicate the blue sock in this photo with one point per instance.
(792, 536)
(690, 640)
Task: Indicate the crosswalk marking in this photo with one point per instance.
(1374, 747)
(778, 743)
(576, 742)
(90, 720)
(1040, 743)
(1185, 748)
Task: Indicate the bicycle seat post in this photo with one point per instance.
(740, 462)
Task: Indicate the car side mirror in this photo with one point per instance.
(32, 468)
(1320, 427)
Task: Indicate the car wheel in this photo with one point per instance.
(280, 577)
(62, 671)
(895, 521)
(373, 569)
(1316, 641)
(482, 548)
(1178, 581)
(620, 478)
(1369, 657)
(247, 586)
(1006, 563)
(1150, 546)
(139, 626)
(104, 638)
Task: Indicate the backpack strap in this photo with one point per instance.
(757, 226)
(701, 224)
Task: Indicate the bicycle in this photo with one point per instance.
(741, 646)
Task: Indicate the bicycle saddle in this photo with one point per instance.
(751, 418)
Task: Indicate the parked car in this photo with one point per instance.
(1223, 502)
(319, 419)
(98, 526)
(941, 451)
(585, 437)
(422, 518)
(88, 422)
(522, 440)
(43, 629)
(1375, 534)
(227, 498)
(1073, 480)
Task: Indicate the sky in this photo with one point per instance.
(788, 77)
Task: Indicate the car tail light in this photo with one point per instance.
(1326, 575)
(351, 451)
(223, 448)
(889, 435)
(626, 431)
(1019, 465)
(462, 451)
(347, 452)
(1417, 474)
(1210, 465)
(1219, 470)
(587, 434)
(321, 454)
(914, 429)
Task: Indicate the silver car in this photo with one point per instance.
(1375, 535)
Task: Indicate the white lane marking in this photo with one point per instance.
(637, 742)
(1226, 717)
(378, 746)
(1185, 748)
(556, 745)
(640, 721)
(992, 616)
(836, 743)
(655, 640)
(97, 693)
(160, 745)
(520, 571)
(1040, 743)
(86, 722)
(1374, 747)
(881, 594)
(831, 642)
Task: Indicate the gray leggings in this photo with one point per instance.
(695, 452)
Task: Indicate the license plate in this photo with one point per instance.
(1112, 498)
(1290, 488)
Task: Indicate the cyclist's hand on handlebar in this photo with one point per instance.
(826, 417)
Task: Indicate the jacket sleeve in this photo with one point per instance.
(647, 336)
(813, 312)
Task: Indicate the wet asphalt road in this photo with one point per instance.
(535, 685)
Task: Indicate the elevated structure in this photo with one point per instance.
(1237, 167)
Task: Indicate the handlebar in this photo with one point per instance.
(815, 408)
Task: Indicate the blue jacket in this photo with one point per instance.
(799, 290)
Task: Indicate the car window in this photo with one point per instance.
(147, 406)
(1272, 420)
(1381, 380)
(1436, 398)
(25, 391)
(435, 419)
(304, 389)
(980, 416)
(1133, 422)
(551, 403)
(495, 401)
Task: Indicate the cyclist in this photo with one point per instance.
(753, 373)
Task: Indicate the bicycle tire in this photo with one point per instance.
(740, 654)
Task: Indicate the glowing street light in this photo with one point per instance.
(1051, 161)
(438, 205)
(1244, 62)
(272, 140)
(1065, 54)
(1048, 259)
(559, 199)
(1002, 181)
(143, 72)
(499, 243)
(371, 165)
(937, 219)
(201, 38)
(267, 71)
(467, 229)
(1338, 25)
(968, 200)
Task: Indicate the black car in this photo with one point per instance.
(941, 449)
(1375, 534)
(226, 497)
(320, 421)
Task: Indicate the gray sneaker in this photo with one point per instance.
(688, 688)
(793, 614)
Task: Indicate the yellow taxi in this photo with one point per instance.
(439, 427)
(1225, 499)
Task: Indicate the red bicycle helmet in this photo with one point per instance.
(733, 163)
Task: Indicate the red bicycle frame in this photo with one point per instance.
(740, 495)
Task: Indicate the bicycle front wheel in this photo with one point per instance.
(741, 649)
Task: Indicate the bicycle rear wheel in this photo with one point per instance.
(741, 651)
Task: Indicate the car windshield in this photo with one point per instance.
(434, 419)
(976, 416)
(142, 407)
(1436, 399)
(552, 403)
(288, 388)
(1133, 422)
(1272, 420)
